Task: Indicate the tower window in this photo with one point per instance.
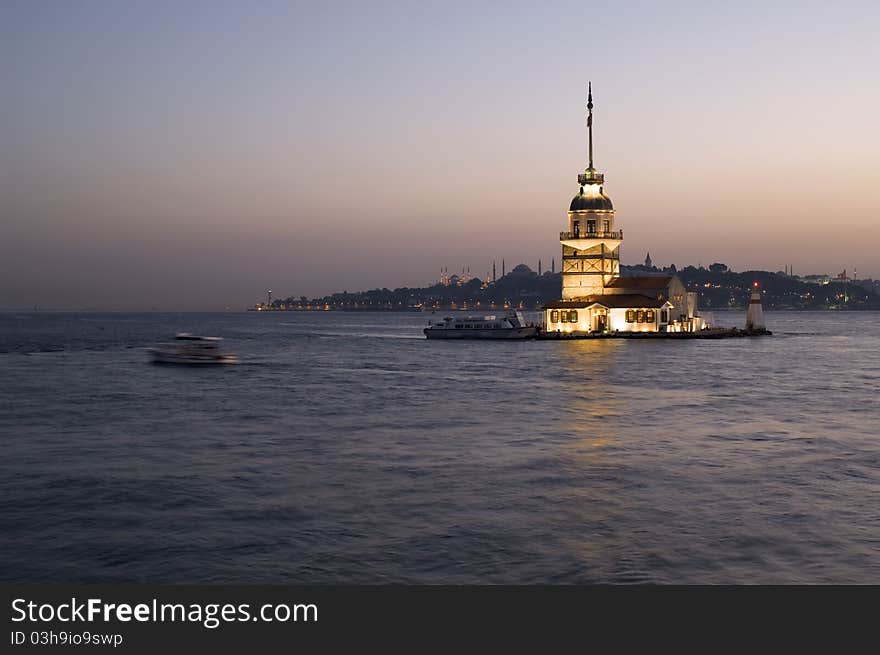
(591, 226)
(606, 226)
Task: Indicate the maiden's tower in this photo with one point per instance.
(595, 298)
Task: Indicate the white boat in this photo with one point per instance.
(509, 326)
(191, 349)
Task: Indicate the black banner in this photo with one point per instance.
(146, 618)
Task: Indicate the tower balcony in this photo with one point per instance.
(614, 236)
(590, 176)
(586, 240)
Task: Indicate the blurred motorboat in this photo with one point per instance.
(191, 349)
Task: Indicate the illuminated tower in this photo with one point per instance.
(591, 246)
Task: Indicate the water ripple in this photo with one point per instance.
(347, 448)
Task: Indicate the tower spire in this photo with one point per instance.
(590, 119)
(590, 176)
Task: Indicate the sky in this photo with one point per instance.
(192, 155)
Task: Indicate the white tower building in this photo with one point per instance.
(591, 246)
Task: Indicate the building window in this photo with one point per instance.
(630, 316)
(591, 226)
(649, 316)
(606, 226)
(576, 227)
(664, 316)
(640, 317)
(563, 317)
(573, 316)
(554, 316)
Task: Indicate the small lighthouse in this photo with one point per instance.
(755, 315)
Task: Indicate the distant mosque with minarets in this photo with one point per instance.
(595, 298)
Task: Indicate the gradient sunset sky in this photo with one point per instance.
(194, 154)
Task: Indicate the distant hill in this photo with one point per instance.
(729, 290)
(718, 288)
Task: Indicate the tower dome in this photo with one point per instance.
(594, 201)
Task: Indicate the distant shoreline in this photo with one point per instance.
(367, 311)
(527, 309)
(718, 289)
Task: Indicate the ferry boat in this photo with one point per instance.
(191, 349)
(509, 326)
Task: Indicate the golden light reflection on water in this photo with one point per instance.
(591, 406)
(605, 421)
(589, 421)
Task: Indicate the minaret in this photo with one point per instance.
(493, 270)
(591, 246)
(648, 262)
(539, 267)
(503, 268)
(553, 265)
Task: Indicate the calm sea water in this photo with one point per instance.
(347, 448)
